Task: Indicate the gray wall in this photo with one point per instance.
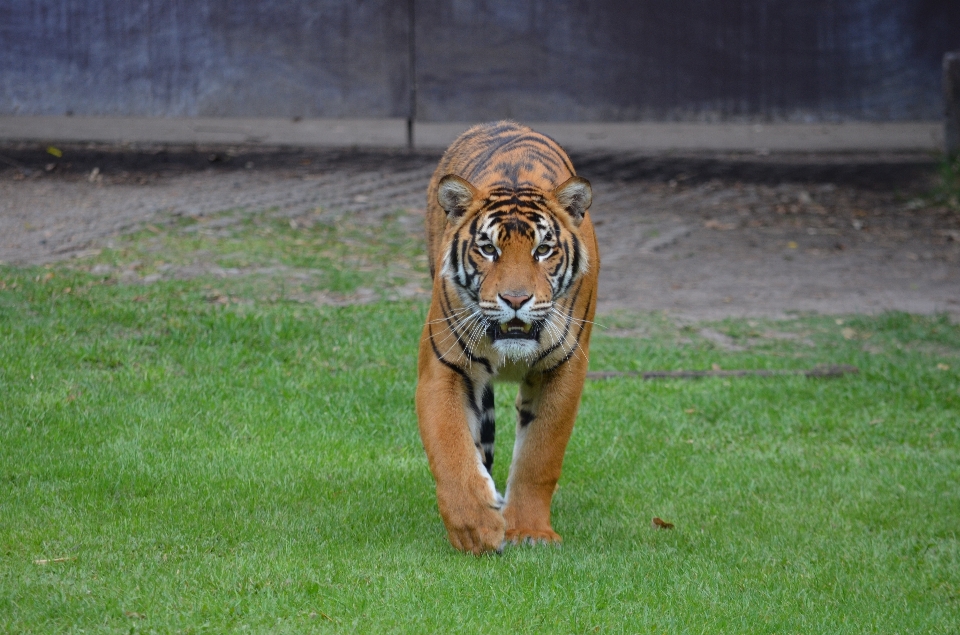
(545, 60)
(307, 58)
(683, 59)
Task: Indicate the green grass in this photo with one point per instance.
(255, 465)
(258, 256)
(946, 191)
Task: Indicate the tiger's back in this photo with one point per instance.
(514, 261)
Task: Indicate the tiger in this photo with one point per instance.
(514, 263)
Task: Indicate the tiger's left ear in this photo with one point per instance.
(575, 195)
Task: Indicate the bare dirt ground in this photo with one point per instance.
(698, 236)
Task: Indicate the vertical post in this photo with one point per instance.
(412, 66)
(951, 102)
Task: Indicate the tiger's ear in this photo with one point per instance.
(455, 195)
(575, 195)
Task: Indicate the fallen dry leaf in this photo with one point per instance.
(848, 333)
(942, 366)
(135, 615)
(659, 523)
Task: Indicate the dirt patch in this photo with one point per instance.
(698, 236)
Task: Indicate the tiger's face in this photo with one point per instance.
(514, 256)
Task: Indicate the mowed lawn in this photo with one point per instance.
(176, 459)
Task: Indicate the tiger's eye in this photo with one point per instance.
(543, 250)
(488, 249)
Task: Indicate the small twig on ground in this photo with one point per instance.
(54, 560)
(819, 371)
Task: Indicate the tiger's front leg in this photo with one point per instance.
(546, 410)
(448, 410)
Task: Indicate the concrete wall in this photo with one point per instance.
(299, 58)
(693, 60)
(535, 60)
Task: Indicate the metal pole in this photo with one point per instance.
(412, 65)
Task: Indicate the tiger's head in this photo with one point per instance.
(514, 255)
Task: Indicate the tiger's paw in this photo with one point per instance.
(477, 533)
(472, 518)
(520, 536)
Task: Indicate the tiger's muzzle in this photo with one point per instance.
(515, 329)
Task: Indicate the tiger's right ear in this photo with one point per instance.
(455, 195)
(575, 195)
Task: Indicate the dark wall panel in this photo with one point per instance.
(309, 58)
(820, 60)
(555, 60)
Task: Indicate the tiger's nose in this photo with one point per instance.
(515, 301)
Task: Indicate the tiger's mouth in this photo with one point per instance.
(515, 329)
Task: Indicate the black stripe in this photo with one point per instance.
(452, 367)
(527, 204)
(487, 427)
(556, 225)
(510, 189)
(454, 256)
(559, 273)
(466, 278)
(566, 330)
(487, 401)
(575, 265)
(560, 262)
(579, 334)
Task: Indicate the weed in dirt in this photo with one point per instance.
(171, 463)
(947, 190)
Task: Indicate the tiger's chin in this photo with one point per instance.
(516, 350)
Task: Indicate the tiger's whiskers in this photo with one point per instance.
(463, 345)
(454, 330)
(575, 348)
(453, 314)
